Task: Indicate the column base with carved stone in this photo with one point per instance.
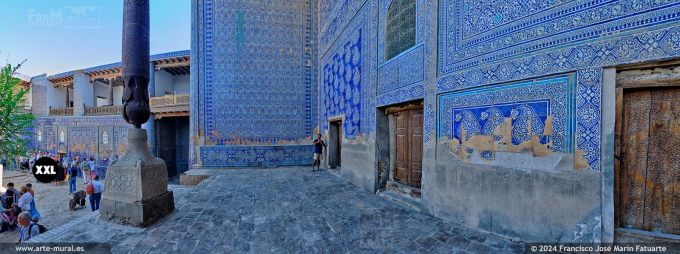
(136, 191)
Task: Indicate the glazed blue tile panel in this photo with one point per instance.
(342, 84)
(407, 93)
(256, 156)
(81, 131)
(400, 78)
(481, 110)
(421, 23)
(86, 137)
(475, 33)
(355, 97)
(588, 117)
(334, 17)
(483, 120)
(255, 87)
(403, 70)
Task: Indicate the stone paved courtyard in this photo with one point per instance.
(283, 210)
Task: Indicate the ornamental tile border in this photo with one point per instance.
(565, 23)
(253, 156)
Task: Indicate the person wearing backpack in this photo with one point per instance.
(95, 190)
(27, 202)
(29, 229)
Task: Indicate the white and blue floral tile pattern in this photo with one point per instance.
(480, 111)
(268, 103)
(81, 134)
(488, 43)
(589, 114)
(474, 33)
(342, 83)
(255, 156)
(401, 78)
(574, 102)
(347, 80)
(253, 81)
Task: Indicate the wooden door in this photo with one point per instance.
(416, 147)
(409, 147)
(402, 142)
(648, 176)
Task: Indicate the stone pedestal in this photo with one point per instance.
(136, 191)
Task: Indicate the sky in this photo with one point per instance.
(56, 36)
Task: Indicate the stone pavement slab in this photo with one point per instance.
(283, 210)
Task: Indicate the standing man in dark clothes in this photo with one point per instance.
(318, 150)
(11, 195)
(73, 175)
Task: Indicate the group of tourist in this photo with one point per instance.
(72, 169)
(19, 210)
(85, 167)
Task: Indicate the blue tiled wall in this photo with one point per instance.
(255, 75)
(97, 136)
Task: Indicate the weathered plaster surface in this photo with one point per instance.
(555, 203)
(359, 164)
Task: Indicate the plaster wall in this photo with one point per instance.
(101, 93)
(181, 84)
(552, 204)
(40, 106)
(356, 168)
(118, 95)
(102, 101)
(56, 97)
(164, 83)
(83, 92)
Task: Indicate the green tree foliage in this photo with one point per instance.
(14, 121)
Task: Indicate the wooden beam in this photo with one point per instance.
(106, 74)
(409, 106)
(170, 114)
(649, 80)
(63, 82)
(170, 65)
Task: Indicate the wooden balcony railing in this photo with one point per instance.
(104, 110)
(61, 111)
(170, 103)
(168, 100)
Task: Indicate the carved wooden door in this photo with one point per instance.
(416, 147)
(409, 147)
(648, 178)
(401, 151)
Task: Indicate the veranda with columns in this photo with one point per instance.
(80, 112)
(91, 91)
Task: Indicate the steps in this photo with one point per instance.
(401, 199)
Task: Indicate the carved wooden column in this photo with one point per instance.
(137, 183)
(110, 97)
(150, 125)
(68, 98)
